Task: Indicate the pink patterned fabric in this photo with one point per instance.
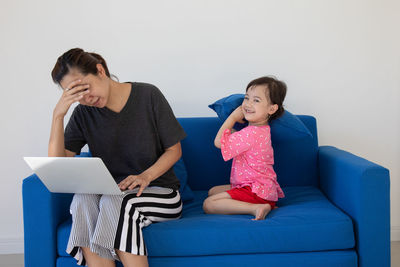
(253, 158)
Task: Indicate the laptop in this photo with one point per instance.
(74, 175)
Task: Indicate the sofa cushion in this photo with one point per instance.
(224, 107)
(181, 173)
(296, 129)
(305, 221)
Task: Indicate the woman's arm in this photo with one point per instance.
(56, 142)
(236, 116)
(73, 93)
(163, 164)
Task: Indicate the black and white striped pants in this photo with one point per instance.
(105, 223)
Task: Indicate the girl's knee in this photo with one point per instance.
(208, 205)
(218, 189)
(212, 191)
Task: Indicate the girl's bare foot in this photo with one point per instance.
(261, 211)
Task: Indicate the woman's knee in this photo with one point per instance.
(110, 202)
(85, 202)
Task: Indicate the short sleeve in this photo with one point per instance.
(74, 138)
(233, 144)
(168, 127)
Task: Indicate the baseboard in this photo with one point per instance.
(395, 233)
(12, 245)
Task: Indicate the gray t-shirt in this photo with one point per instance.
(131, 141)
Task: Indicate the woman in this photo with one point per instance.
(132, 128)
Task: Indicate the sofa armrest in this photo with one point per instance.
(362, 190)
(43, 212)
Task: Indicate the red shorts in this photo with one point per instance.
(245, 194)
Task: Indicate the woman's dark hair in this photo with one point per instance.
(84, 62)
(276, 92)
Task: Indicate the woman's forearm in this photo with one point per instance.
(56, 142)
(164, 162)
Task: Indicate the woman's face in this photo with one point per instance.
(98, 87)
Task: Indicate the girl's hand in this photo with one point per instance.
(237, 115)
(133, 181)
(72, 93)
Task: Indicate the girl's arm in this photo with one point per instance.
(163, 164)
(236, 116)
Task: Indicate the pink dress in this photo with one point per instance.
(253, 158)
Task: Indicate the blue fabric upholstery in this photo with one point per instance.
(181, 173)
(203, 161)
(218, 234)
(296, 128)
(294, 157)
(336, 212)
(43, 212)
(362, 190)
(224, 107)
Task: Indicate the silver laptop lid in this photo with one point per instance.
(74, 175)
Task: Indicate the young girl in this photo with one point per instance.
(254, 189)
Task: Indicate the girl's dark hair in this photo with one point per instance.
(276, 92)
(84, 62)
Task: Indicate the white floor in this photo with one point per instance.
(395, 254)
(13, 260)
(17, 260)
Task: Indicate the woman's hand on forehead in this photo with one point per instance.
(77, 86)
(72, 93)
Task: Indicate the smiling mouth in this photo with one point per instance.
(97, 102)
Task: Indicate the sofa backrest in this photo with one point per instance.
(295, 156)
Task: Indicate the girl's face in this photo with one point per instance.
(256, 105)
(98, 87)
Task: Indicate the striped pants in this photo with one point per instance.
(105, 223)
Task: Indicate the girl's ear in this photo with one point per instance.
(272, 109)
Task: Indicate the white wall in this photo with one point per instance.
(340, 59)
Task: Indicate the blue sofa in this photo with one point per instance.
(336, 210)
